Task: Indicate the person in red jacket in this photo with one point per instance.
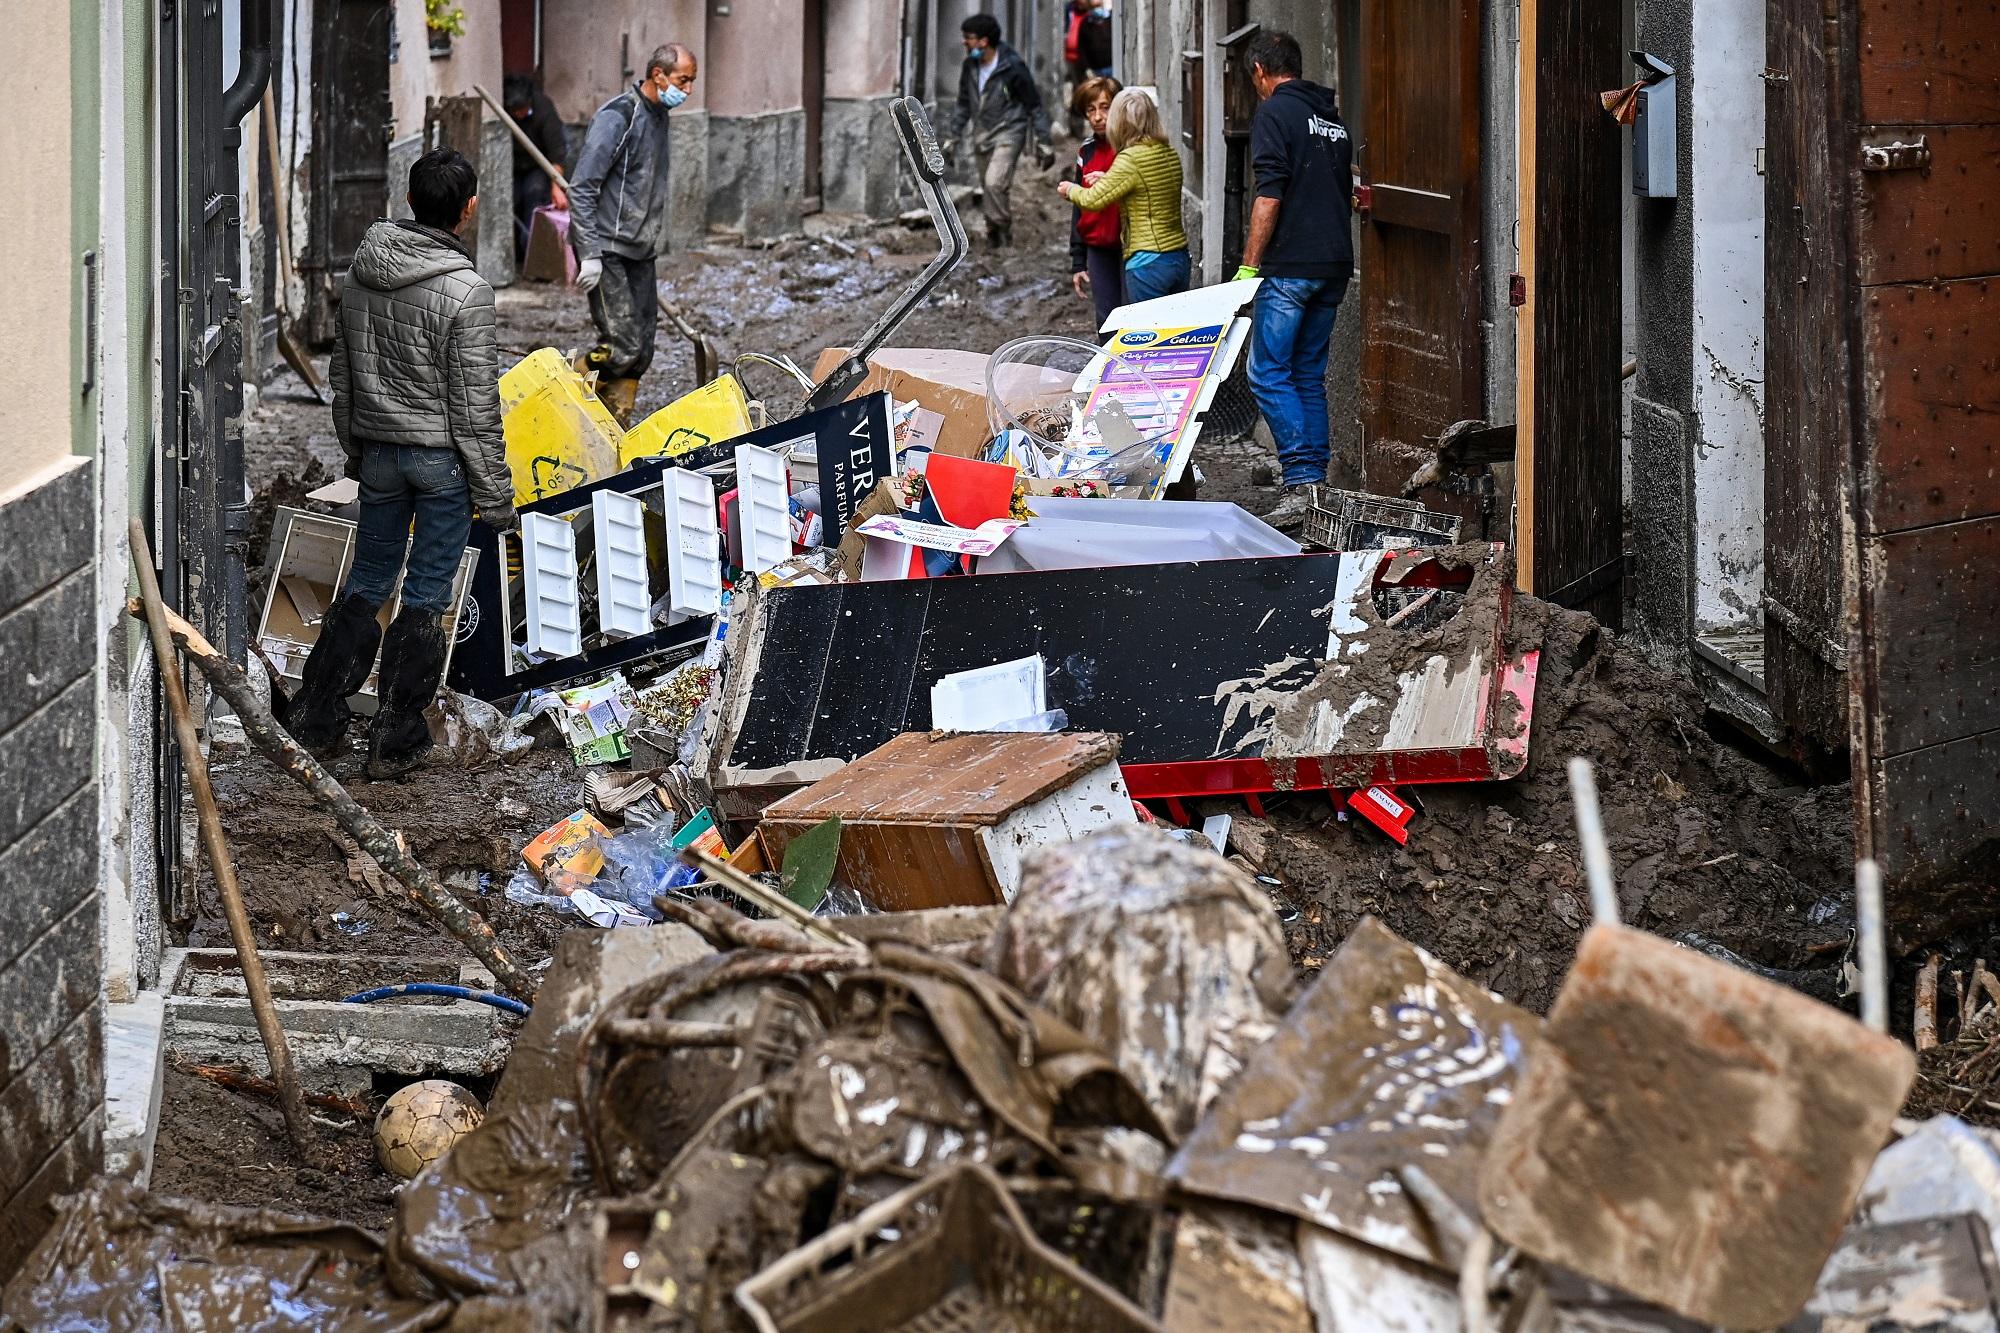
(1096, 259)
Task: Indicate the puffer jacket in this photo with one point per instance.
(618, 192)
(416, 356)
(1009, 107)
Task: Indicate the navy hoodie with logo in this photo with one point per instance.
(1303, 159)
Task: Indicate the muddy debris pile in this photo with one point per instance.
(1048, 1115)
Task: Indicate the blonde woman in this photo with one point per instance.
(1145, 182)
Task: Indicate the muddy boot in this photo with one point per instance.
(335, 670)
(412, 665)
(999, 238)
(1292, 509)
(622, 397)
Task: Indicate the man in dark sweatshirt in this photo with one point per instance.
(1300, 245)
(1000, 107)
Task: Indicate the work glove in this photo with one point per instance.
(1045, 156)
(1245, 271)
(588, 274)
(501, 520)
(353, 469)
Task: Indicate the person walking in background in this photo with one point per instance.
(1000, 106)
(1145, 182)
(1096, 255)
(618, 224)
(416, 407)
(537, 116)
(1087, 40)
(1300, 245)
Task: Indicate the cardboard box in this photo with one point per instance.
(951, 384)
(569, 844)
(938, 820)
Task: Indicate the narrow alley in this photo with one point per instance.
(1161, 664)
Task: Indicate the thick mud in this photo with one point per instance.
(1709, 845)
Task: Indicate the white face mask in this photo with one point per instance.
(672, 96)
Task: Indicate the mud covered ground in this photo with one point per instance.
(1709, 845)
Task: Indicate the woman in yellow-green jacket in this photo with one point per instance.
(1145, 182)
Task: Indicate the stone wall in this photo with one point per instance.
(51, 1012)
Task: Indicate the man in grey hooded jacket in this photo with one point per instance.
(416, 406)
(618, 223)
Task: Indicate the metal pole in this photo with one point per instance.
(1871, 946)
(1596, 853)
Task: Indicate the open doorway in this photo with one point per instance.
(812, 95)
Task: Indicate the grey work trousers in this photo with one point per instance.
(625, 308)
(997, 159)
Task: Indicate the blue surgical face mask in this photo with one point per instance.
(672, 96)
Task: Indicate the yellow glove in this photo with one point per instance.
(1244, 272)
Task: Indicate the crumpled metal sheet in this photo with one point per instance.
(1933, 1273)
(119, 1258)
(1390, 1060)
(1147, 947)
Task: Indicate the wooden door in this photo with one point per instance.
(1568, 479)
(353, 122)
(1418, 150)
(1885, 441)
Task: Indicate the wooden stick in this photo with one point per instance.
(1986, 981)
(1924, 1025)
(777, 904)
(290, 1095)
(461, 922)
(236, 1080)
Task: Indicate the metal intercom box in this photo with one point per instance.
(1655, 152)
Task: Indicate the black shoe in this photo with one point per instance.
(412, 666)
(999, 238)
(335, 670)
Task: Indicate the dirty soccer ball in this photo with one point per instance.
(419, 1123)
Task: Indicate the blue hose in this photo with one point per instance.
(507, 1002)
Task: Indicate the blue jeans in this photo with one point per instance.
(1289, 333)
(399, 482)
(1157, 277)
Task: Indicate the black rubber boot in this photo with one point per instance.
(335, 670)
(412, 667)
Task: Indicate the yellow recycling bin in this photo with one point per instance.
(558, 434)
(715, 411)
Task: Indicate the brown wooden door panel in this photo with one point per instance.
(1932, 363)
(1929, 61)
(1567, 472)
(1936, 602)
(1926, 384)
(1943, 222)
(1423, 354)
(1808, 428)
(1936, 803)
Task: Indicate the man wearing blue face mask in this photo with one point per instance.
(618, 223)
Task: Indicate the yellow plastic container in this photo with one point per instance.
(534, 371)
(558, 434)
(716, 411)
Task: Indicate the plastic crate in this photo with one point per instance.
(950, 1255)
(1356, 521)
